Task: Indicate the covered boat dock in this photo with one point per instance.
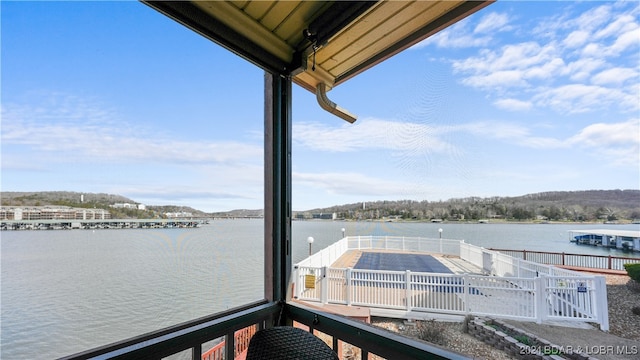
(626, 240)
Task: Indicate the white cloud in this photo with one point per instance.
(513, 104)
(590, 67)
(594, 18)
(618, 143)
(369, 134)
(456, 36)
(626, 41)
(581, 69)
(411, 142)
(602, 134)
(67, 127)
(493, 22)
(615, 76)
(579, 98)
(576, 39)
(622, 24)
(497, 80)
(511, 66)
(352, 184)
(494, 130)
(546, 70)
(193, 196)
(605, 31)
(509, 132)
(176, 193)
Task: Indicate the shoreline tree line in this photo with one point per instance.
(577, 206)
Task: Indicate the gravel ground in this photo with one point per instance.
(448, 335)
(622, 294)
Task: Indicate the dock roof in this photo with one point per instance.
(609, 232)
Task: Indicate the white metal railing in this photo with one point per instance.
(327, 255)
(518, 289)
(402, 243)
(607, 262)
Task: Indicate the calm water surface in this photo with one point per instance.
(67, 291)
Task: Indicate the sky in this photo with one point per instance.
(519, 98)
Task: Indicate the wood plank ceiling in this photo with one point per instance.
(318, 41)
(320, 44)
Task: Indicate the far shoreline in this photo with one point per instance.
(483, 222)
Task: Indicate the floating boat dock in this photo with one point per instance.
(626, 240)
(60, 224)
(418, 278)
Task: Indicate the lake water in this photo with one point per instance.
(66, 291)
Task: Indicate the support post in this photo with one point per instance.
(277, 159)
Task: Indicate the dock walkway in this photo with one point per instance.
(568, 335)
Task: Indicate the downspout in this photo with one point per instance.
(330, 106)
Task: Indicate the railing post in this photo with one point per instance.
(467, 291)
(324, 288)
(563, 258)
(540, 292)
(230, 346)
(609, 262)
(297, 286)
(601, 302)
(407, 284)
(524, 254)
(196, 352)
(347, 292)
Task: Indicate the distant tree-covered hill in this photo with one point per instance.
(591, 205)
(92, 200)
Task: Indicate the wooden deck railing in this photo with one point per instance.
(192, 335)
(241, 337)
